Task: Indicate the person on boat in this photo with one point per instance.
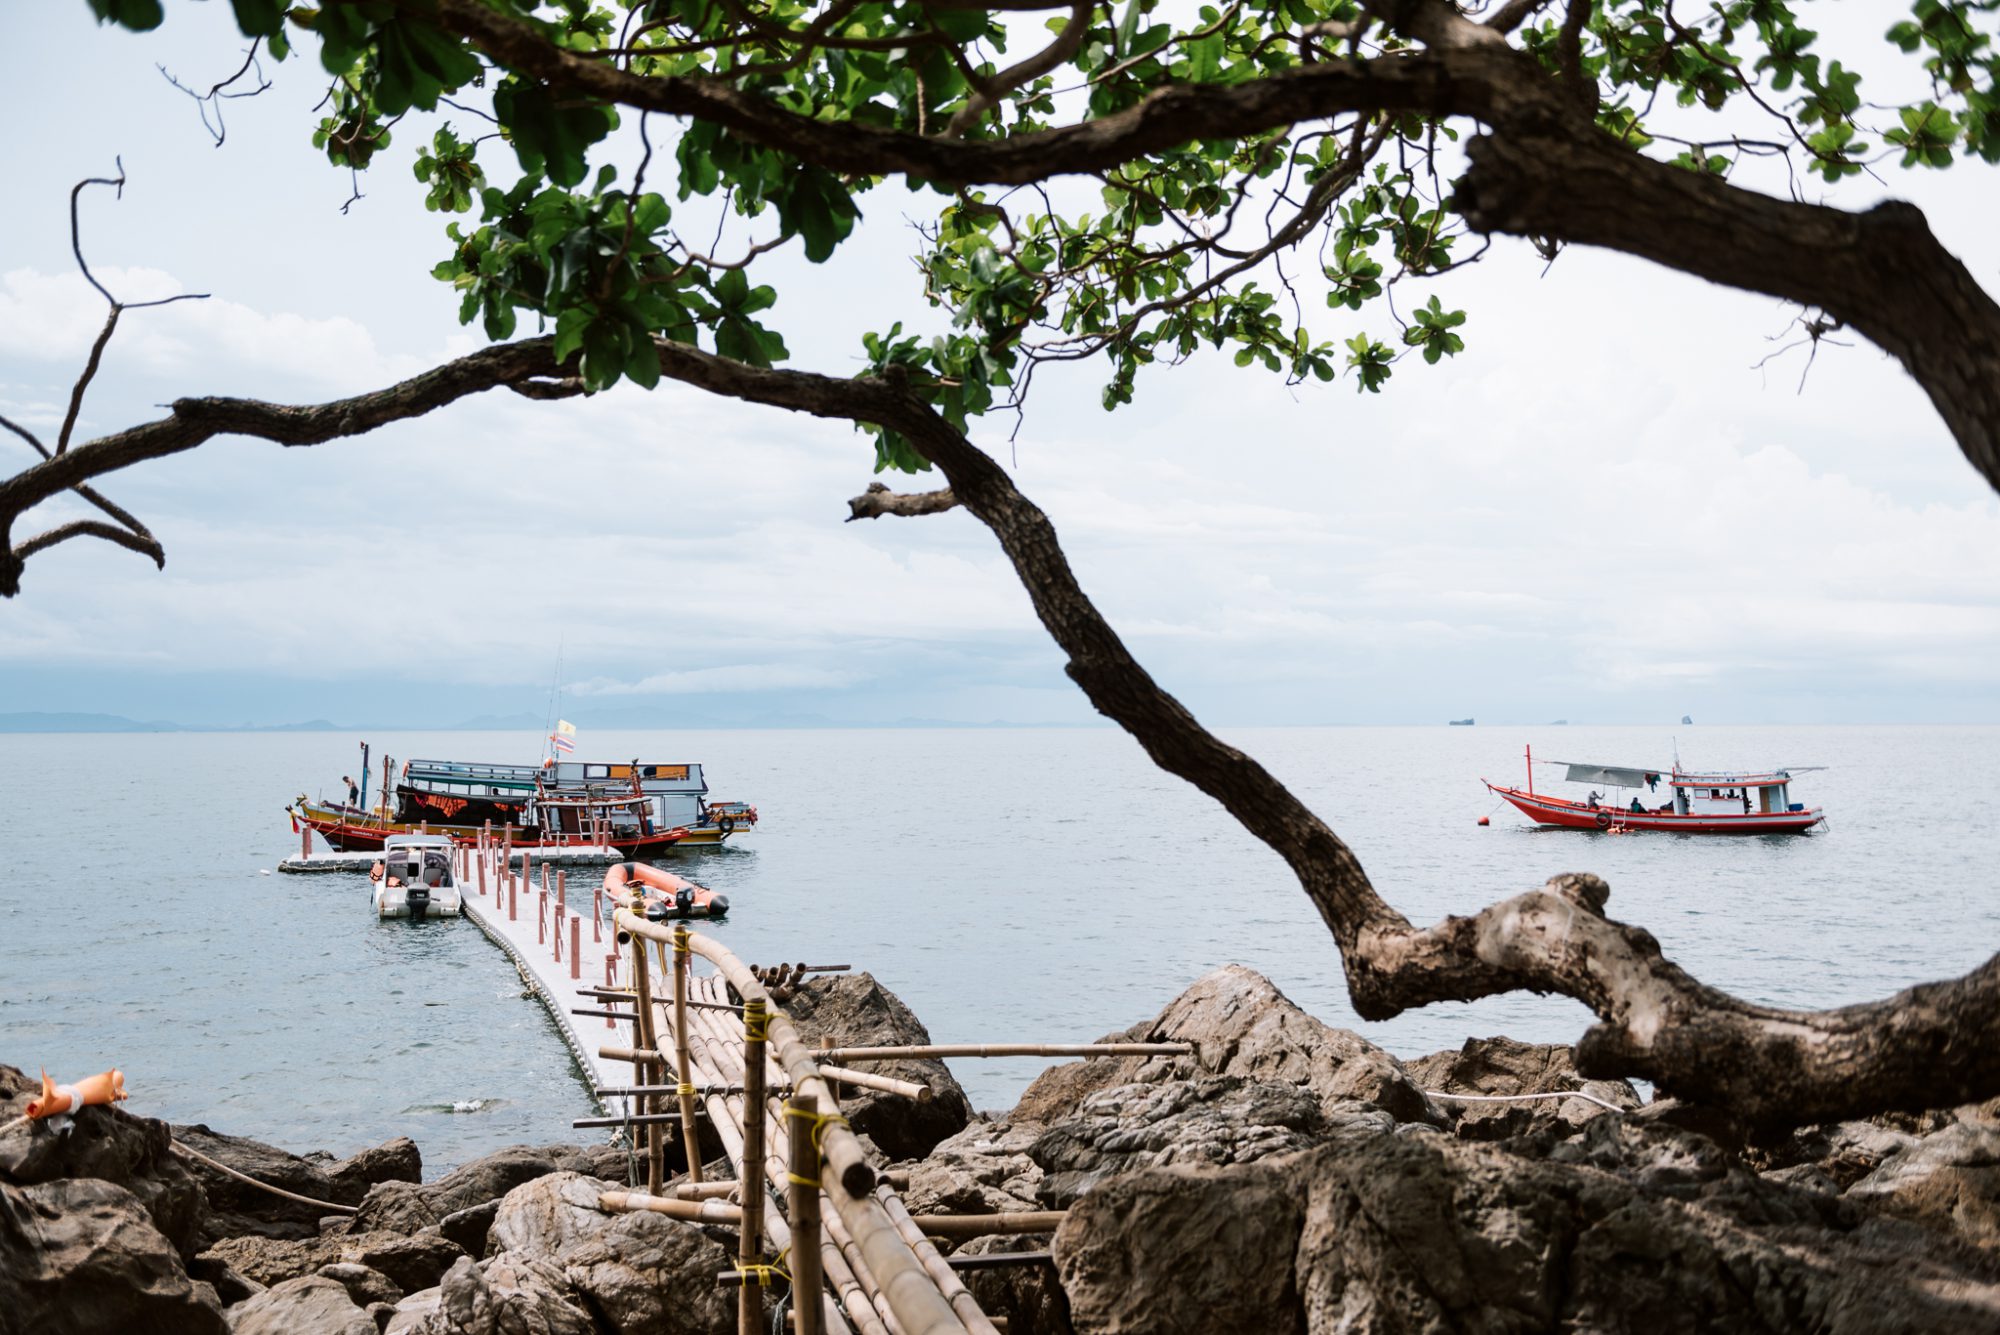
(353, 791)
(1592, 800)
(1746, 801)
(1637, 805)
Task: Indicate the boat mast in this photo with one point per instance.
(1529, 751)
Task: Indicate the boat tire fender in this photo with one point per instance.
(727, 825)
(718, 905)
(1603, 820)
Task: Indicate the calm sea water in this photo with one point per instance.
(1011, 885)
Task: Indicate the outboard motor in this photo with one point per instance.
(418, 897)
(683, 901)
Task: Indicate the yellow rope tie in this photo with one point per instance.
(686, 1090)
(763, 1274)
(681, 946)
(820, 1122)
(798, 1181)
(756, 1022)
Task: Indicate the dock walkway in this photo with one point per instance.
(615, 983)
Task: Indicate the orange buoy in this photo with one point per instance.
(1485, 820)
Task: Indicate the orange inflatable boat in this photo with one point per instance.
(666, 895)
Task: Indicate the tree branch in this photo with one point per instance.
(878, 500)
(193, 422)
(1926, 1047)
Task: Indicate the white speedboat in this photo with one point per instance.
(413, 878)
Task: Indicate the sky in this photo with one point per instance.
(1603, 511)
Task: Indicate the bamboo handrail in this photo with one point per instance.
(919, 1307)
(926, 1051)
(700, 1212)
(857, 1264)
(802, 1198)
(957, 1226)
(949, 1284)
(909, 1089)
(750, 1252)
(689, 1139)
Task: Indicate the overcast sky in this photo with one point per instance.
(1600, 512)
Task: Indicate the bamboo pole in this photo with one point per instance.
(700, 1212)
(949, 1284)
(682, 966)
(961, 1226)
(908, 1089)
(857, 1263)
(750, 1250)
(642, 1033)
(701, 1191)
(926, 1051)
(802, 1191)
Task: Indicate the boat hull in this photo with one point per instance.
(1555, 811)
(347, 831)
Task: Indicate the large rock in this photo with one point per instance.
(503, 1295)
(412, 1261)
(397, 1160)
(856, 1011)
(237, 1209)
(1624, 1227)
(646, 1274)
(539, 1218)
(985, 1169)
(407, 1207)
(110, 1145)
(637, 1272)
(1501, 1066)
(1950, 1179)
(1240, 1024)
(312, 1303)
(1185, 1250)
(1211, 1120)
(80, 1256)
(1028, 1296)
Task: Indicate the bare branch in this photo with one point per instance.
(192, 422)
(1513, 14)
(143, 543)
(991, 90)
(878, 500)
(216, 95)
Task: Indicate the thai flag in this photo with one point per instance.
(562, 743)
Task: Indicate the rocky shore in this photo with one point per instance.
(1286, 1177)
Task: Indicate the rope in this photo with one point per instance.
(756, 1021)
(11, 1125)
(224, 1168)
(820, 1122)
(1520, 1098)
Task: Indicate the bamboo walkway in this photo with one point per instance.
(673, 1030)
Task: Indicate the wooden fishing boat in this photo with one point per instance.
(1697, 803)
(676, 793)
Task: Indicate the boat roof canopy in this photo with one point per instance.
(1614, 775)
(1773, 779)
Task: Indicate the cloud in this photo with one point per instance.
(731, 679)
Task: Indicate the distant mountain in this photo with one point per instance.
(80, 723)
(498, 723)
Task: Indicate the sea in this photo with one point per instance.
(1010, 884)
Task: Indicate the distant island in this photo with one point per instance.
(1461, 723)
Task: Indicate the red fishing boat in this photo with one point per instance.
(1695, 803)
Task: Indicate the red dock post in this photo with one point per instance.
(512, 904)
(597, 913)
(575, 946)
(305, 841)
(542, 918)
(558, 917)
(562, 888)
(482, 871)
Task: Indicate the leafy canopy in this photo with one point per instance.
(1246, 244)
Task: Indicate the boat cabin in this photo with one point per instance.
(417, 859)
(1733, 794)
